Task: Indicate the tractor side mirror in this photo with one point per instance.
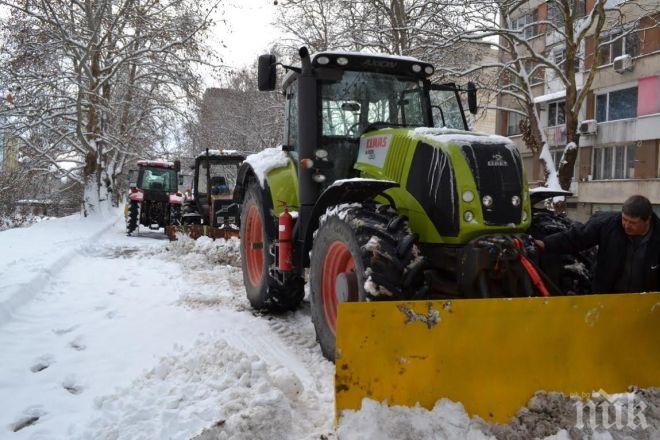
(132, 178)
(472, 97)
(177, 165)
(267, 75)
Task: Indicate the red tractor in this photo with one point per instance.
(155, 200)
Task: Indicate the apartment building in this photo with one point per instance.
(619, 125)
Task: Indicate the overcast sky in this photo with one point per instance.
(248, 31)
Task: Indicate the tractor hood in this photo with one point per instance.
(446, 135)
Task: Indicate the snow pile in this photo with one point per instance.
(212, 384)
(555, 415)
(549, 416)
(265, 161)
(446, 421)
(215, 252)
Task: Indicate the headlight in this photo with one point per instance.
(321, 154)
(468, 216)
(416, 68)
(515, 201)
(318, 178)
(487, 201)
(342, 61)
(468, 196)
(323, 60)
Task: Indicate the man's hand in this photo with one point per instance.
(539, 244)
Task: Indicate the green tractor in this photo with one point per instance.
(382, 192)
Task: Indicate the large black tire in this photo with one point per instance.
(384, 254)
(133, 216)
(257, 232)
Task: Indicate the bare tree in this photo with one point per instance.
(510, 25)
(94, 82)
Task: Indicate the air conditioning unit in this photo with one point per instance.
(623, 63)
(587, 127)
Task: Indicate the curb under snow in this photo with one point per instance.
(26, 291)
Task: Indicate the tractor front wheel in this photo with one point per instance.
(133, 217)
(359, 254)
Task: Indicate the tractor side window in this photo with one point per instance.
(446, 109)
(292, 116)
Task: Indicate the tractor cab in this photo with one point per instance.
(352, 94)
(214, 181)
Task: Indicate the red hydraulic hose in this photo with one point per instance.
(533, 274)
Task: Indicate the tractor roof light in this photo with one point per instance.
(468, 216)
(323, 60)
(416, 68)
(487, 201)
(428, 70)
(342, 61)
(515, 201)
(306, 163)
(318, 178)
(468, 196)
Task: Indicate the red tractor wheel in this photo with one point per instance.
(359, 253)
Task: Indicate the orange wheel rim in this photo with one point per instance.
(338, 259)
(254, 246)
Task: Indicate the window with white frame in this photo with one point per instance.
(617, 104)
(614, 162)
(617, 44)
(556, 113)
(526, 24)
(513, 124)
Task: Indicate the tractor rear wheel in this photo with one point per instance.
(257, 233)
(359, 254)
(133, 214)
(175, 215)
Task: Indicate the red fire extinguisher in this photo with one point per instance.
(285, 238)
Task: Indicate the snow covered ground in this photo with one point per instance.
(105, 336)
(108, 336)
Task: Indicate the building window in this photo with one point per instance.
(620, 44)
(526, 24)
(619, 104)
(616, 162)
(559, 56)
(556, 17)
(556, 113)
(513, 125)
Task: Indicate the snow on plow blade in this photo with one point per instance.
(493, 354)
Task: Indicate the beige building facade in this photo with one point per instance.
(619, 123)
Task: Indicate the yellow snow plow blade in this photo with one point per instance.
(493, 354)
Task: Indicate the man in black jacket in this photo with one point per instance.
(628, 247)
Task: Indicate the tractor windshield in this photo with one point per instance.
(446, 107)
(222, 177)
(363, 100)
(157, 179)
